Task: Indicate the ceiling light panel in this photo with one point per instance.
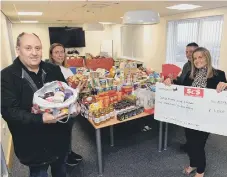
(29, 21)
(183, 7)
(30, 13)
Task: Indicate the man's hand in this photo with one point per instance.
(48, 118)
(221, 86)
(167, 82)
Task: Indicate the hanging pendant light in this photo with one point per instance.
(141, 17)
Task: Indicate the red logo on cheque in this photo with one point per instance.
(195, 92)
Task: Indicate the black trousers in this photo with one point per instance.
(58, 169)
(196, 141)
(72, 121)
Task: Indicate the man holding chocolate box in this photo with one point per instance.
(39, 140)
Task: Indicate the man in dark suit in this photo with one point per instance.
(187, 66)
(39, 140)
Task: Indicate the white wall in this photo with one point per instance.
(93, 39)
(154, 38)
(116, 37)
(6, 59)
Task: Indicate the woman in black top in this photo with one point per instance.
(202, 75)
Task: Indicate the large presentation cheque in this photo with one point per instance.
(190, 107)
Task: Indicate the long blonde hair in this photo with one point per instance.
(51, 52)
(206, 54)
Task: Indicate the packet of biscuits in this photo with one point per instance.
(74, 80)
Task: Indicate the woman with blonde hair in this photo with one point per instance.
(57, 57)
(202, 75)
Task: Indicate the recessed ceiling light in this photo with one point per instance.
(107, 23)
(30, 13)
(183, 7)
(29, 21)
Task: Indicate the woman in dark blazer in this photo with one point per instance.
(202, 75)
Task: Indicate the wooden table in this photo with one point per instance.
(111, 123)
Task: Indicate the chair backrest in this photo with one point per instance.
(170, 70)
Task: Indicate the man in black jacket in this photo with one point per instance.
(39, 140)
(186, 69)
(187, 66)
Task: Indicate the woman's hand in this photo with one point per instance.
(81, 85)
(167, 82)
(78, 109)
(221, 86)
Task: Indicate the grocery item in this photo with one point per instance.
(48, 94)
(74, 80)
(55, 97)
(106, 101)
(65, 111)
(103, 115)
(94, 74)
(68, 93)
(50, 99)
(110, 82)
(97, 119)
(103, 83)
(119, 96)
(59, 97)
(112, 114)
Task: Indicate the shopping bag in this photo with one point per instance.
(41, 105)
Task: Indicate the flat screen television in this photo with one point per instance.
(68, 36)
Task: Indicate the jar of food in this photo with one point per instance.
(134, 112)
(126, 116)
(141, 109)
(137, 110)
(130, 113)
(112, 112)
(106, 101)
(96, 118)
(120, 116)
(107, 110)
(103, 116)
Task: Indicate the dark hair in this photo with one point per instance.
(21, 35)
(51, 51)
(192, 44)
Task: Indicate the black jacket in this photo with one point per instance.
(35, 143)
(186, 69)
(219, 76)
